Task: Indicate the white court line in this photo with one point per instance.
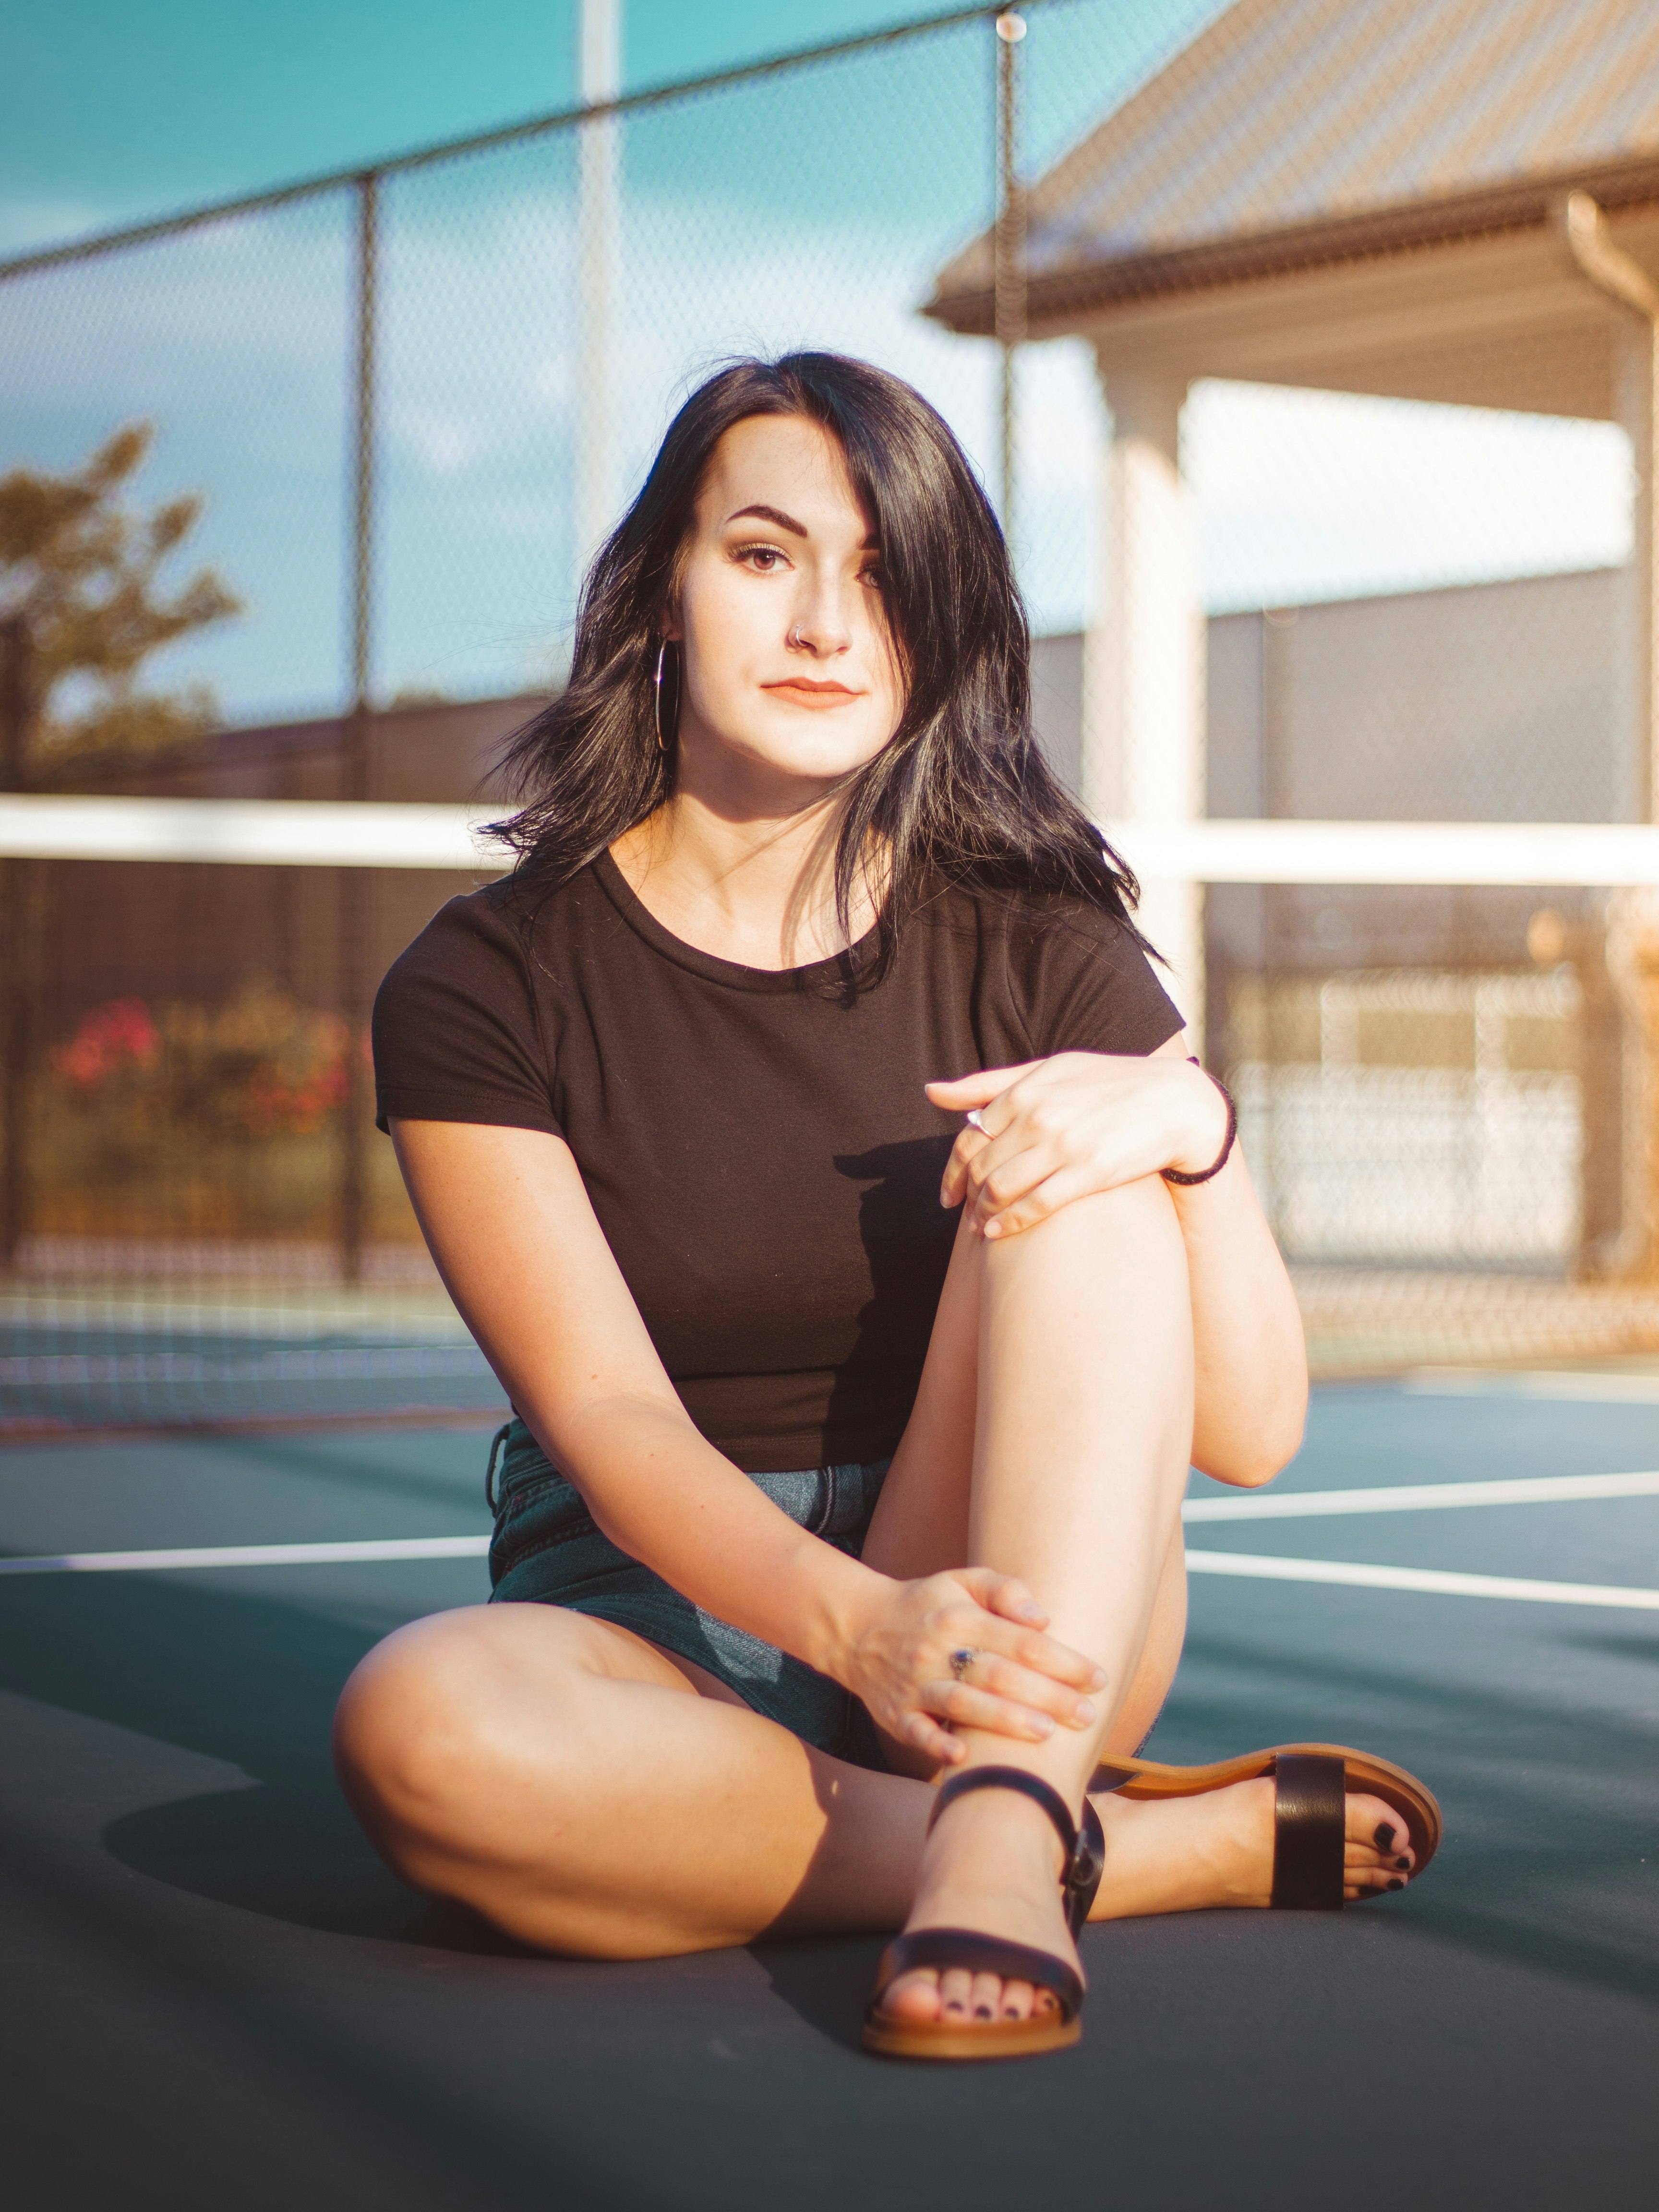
(1419, 1497)
(251, 1555)
(1406, 1498)
(1359, 1576)
(1578, 1384)
(1252, 1564)
(350, 1363)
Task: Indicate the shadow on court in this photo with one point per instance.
(280, 1843)
(193, 1923)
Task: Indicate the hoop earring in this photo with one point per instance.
(669, 722)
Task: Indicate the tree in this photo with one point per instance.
(82, 605)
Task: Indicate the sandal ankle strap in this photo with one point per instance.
(1086, 1853)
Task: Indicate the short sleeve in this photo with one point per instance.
(1092, 988)
(456, 1030)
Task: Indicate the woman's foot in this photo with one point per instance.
(992, 1864)
(1191, 1854)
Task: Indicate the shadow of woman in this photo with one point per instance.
(246, 1680)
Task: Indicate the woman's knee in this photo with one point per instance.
(427, 1718)
(400, 1727)
(1131, 1229)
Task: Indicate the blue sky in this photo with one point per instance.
(110, 111)
(809, 209)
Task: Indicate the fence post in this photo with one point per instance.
(354, 885)
(1009, 275)
(18, 940)
(597, 248)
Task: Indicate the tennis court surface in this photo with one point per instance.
(215, 1995)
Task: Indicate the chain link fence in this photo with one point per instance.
(1323, 459)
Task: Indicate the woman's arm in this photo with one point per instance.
(507, 1218)
(1056, 1129)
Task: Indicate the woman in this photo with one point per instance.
(851, 1435)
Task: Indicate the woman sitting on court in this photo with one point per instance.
(851, 1434)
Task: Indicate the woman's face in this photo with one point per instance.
(788, 665)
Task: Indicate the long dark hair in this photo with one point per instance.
(959, 793)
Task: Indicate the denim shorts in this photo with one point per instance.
(547, 1550)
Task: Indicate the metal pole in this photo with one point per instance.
(597, 250)
(19, 943)
(1010, 247)
(353, 897)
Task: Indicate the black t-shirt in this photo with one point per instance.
(756, 1145)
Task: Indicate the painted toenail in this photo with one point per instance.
(1403, 1864)
(1385, 1838)
(983, 2012)
(1394, 1883)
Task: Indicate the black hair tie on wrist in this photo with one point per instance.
(1174, 1175)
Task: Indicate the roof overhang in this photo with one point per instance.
(1471, 298)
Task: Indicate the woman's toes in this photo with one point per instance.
(1017, 2000)
(913, 1997)
(955, 1991)
(986, 2001)
(1377, 1835)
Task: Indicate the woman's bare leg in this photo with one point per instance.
(1072, 1341)
(564, 1777)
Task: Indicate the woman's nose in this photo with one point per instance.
(823, 621)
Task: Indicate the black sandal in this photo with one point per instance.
(945, 1948)
(1311, 1782)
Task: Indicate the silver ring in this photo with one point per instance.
(962, 1661)
(974, 1121)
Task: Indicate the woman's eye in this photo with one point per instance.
(875, 580)
(763, 558)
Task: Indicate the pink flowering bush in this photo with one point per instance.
(260, 1066)
(174, 1119)
(121, 1035)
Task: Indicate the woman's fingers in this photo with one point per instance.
(989, 1637)
(991, 1097)
(1002, 1172)
(1037, 1203)
(931, 1740)
(1010, 1703)
(966, 1707)
(979, 1153)
(965, 1094)
(1001, 1593)
(1005, 1593)
(953, 1187)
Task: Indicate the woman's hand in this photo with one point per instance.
(1054, 1130)
(1014, 1680)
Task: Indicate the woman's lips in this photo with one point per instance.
(800, 692)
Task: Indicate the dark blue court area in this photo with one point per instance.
(214, 1995)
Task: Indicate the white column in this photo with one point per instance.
(1636, 394)
(1633, 915)
(1143, 667)
(1632, 941)
(596, 246)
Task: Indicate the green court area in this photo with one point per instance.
(216, 1997)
